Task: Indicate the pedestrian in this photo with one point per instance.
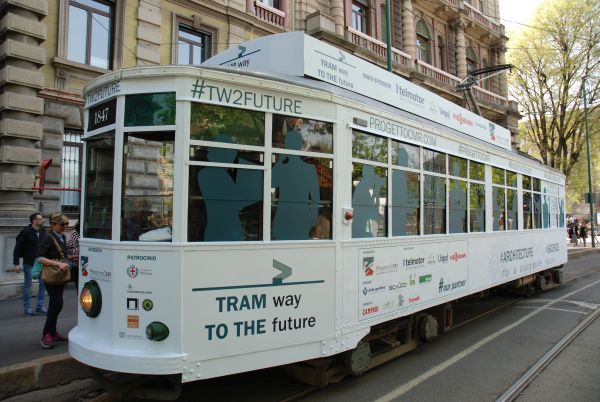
(73, 253)
(583, 233)
(26, 247)
(50, 254)
(572, 234)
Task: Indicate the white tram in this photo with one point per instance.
(235, 220)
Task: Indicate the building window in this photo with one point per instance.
(193, 46)
(89, 37)
(442, 53)
(423, 42)
(71, 168)
(271, 3)
(471, 59)
(360, 13)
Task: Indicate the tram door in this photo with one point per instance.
(147, 195)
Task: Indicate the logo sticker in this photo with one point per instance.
(147, 304)
(132, 303)
(133, 321)
(368, 263)
(132, 271)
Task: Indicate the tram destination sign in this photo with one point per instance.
(102, 115)
(279, 54)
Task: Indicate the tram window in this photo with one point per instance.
(434, 161)
(476, 171)
(512, 208)
(317, 136)
(369, 147)
(225, 204)
(561, 213)
(406, 202)
(147, 203)
(537, 211)
(457, 166)
(498, 176)
(301, 196)
(405, 155)
(527, 209)
(554, 217)
(477, 207)
(526, 182)
(369, 201)
(150, 109)
(227, 124)
(537, 185)
(458, 206)
(99, 182)
(499, 209)
(546, 211)
(511, 179)
(434, 205)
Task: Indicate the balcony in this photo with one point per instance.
(485, 24)
(371, 44)
(269, 14)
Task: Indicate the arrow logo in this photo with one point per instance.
(242, 50)
(285, 272)
(342, 57)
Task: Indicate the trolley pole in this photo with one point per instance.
(589, 162)
(388, 28)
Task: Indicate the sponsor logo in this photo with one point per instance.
(414, 299)
(100, 274)
(368, 265)
(147, 304)
(84, 266)
(413, 262)
(431, 259)
(443, 258)
(412, 280)
(458, 256)
(132, 303)
(132, 271)
(377, 289)
(444, 113)
(397, 286)
(400, 300)
(133, 321)
(94, 249)
(370, 310)
(492, 132)
(424, 279)
(462, 120)
(131, 290)
(516, 254)
(552, 248)
(447, 287)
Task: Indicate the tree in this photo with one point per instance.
(553, 58)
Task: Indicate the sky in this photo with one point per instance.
(520, 11)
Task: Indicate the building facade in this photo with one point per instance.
(51, 48)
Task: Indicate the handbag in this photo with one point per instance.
(52, 275)
(36, 271)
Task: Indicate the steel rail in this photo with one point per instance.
(518, 386)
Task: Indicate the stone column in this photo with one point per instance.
(22, 34)
(494, 80)
(461, 49)
(337, 12)
(409, 40)
(148, 33)
(502, 83)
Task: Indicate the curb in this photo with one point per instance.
(574, 253)
(38, 374)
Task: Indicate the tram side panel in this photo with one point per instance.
(139, 288)
(248, 308)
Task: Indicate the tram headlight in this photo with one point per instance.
(157, 331)
(90, 299)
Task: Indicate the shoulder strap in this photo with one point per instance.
(57, 246)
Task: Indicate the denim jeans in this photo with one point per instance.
(27, 290)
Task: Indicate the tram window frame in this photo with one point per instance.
(504, 185)
(532, 203)
(405, 172)
(98, 225)
(369, 209)
(301, 178)
(147, 186)
(458, 206)
(477, 196)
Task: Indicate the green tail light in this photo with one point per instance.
(157, 331)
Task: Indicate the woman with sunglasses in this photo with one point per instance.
(50, 255)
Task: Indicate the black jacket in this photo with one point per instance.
(48, 247)
(27, 245)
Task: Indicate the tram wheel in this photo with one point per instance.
(427, 328)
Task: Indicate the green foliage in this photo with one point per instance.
(553, 58)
